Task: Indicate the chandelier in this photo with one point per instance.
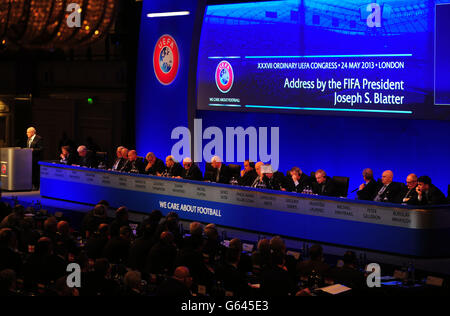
(44, 23)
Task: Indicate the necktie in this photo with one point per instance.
(29, 142)
(378, 197)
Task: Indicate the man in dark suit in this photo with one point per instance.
(85, 158)
(427, 193)
(387, 190)
(248, 174)
(297, 181)
(272, 180)
(67, 157)
(408, 193)
(119, 161)
(315, 263)
(133, 164)
(36, 143)
(173, 168)
(162, 255)
(154, 165)
(190, 170)
(178, 285)
(117, 249)
(222, 173)
(324, 185)
(367, 190)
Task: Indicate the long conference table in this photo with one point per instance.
(383, 227)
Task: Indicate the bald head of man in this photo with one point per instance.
(387, 177)
(182, 275)
(411, 181)
(31, 131)
(132, 155)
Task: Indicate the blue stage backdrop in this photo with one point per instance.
(342, 145)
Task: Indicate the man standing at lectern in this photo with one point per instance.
(36, 143)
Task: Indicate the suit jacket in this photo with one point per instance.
(303, 182)
(391, 193)
(173, 288)
(326, 189)
(434, 196)
(175, 171)
(70, 160)
(86, 161)
(369, 192)
(248, 178)
(406, 193)
(224, 175)
(120, 162)
(38, 145)
(136, 166)
(193, 173)
(158, 167)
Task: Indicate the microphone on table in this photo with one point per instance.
(354, 190)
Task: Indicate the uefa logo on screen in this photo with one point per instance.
(166, 59)
(224, 76)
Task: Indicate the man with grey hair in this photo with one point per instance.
(221, 173)
(324, 185)
(36, 143)
(85, 157)
(190, 170)
(154, 165)
(119, 161)
(409, 193)
(178, 285)
(173, 168)
(368, 189)
(133, 283)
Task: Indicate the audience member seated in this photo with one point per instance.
(277, 245)
(64, 242)
(66, 156)
(8, 283)
(134, 164)
(298, 181)
(173, 169)
(428, 193)
(349, 274)
(97, 242)
(245, 260)
(275, 279)
(261, 257)
(133, 283)
(43, 266)
(85, 158)
(178, 285)
(93, 219)
(248, 174)
(149, 224)
(387, 190)
(117, 249)
(222, 173)
(16, 219)
(120, 160)
(233, 279)
(120, 220)
(324, 185)
(170, 223)
(141, 247)
(408, 194)
(9, 257)
(154, 165)
(162, 255)
(367, 190)
(98, 282)
(213, 249)
(315, 263)
(190, 170)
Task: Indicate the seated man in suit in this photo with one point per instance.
(133, 164)
(173, 168)
(248, 174)
(154, 165)
(272, 180)
(387, 190)
(408, 193)
(324, 185)
(428, 193)
(298, 180)
(367, 190)
(85, 158)
(258, 182)
(190, 170)
(222, 172)
(120, 160)
(66, 156)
